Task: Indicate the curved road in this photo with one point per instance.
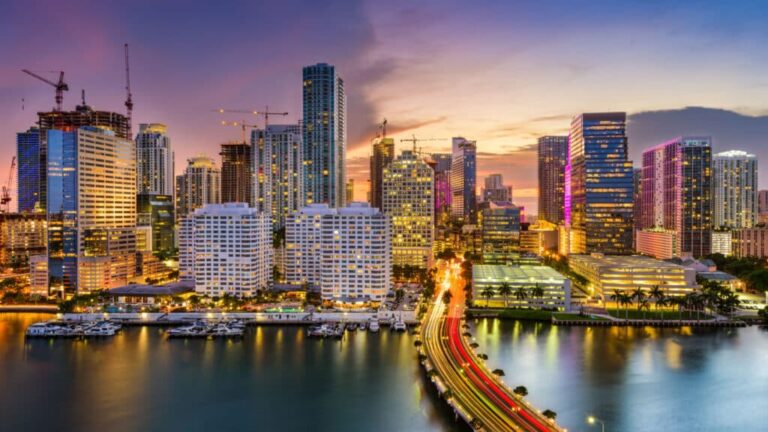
(479, 393)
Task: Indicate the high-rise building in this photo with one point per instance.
(91, 211)
(463, 180)
(350, 191)
(277, 168)
(303, 244)
(553, 155)
(500, 227)
(69, 121)
(407, 189)
(356, 254)
(198, 186)
(157, 212)
(383, 154)
(495, 190)
(226, 249)
(441, 163)
(325, 135)
(762, 206)
(30, 170)
(599, 202)
(154, 160)
(236, 180)
(735, 186)
(750, 242)
(677, 195)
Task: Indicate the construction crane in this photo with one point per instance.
(128, 99)
(5, 197)
(60, 86)
(414, 140)
(266, 113)
(241, 124)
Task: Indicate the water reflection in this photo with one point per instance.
(636, 378)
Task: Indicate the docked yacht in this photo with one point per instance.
(399, 326)
(374, 325)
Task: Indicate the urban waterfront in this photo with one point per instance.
(277, 379)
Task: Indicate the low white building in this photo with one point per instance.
(303, 231)
(226, 249)
(722, 242)
(539, 287)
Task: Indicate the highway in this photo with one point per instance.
(481, 395)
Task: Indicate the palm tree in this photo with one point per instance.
(538, 292)
(616, 297)
(447, 296)
(551, 415)
(520, 391)
(505, 290)
(487, 293)
(626, 301)
(639, 295)
(521, 294)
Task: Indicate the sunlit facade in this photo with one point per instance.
(552, 158)
(735, 187)
(608, 273)
(407, 200)
(325, 135)
(91, 211)
(600, 198)
(676, 186)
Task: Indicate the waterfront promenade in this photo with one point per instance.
(477, 395)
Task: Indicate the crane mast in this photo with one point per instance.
(128, 99)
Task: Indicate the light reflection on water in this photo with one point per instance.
(273, 379)
(637, 379)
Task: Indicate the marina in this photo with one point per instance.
(64, 329)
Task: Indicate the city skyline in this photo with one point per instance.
(505, 105)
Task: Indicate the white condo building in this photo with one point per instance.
(154, 160)
(303, 260)
(407, 199)
(226, 249)
(345, 251)
(735, 186)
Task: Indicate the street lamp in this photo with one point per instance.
(592, 420)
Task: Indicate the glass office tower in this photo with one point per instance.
(29, 163)
(601, 185)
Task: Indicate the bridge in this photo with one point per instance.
(475, 393)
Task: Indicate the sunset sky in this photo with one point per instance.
(502, 73)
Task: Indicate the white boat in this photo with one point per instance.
(98, 331)
(399, 326)
(362, 326)
(43, 329)
(374, 325)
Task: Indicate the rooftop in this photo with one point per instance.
(152, 290)
(512, 274)
(626, 261)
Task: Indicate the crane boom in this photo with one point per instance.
(60, 86)
(5, 196)
(128, 99)
(266, 113)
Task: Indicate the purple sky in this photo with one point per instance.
(502, 73)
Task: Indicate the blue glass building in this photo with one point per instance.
(30, 174)
(602, 186)
(325, 135)
(464, 180)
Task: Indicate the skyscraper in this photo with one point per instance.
(495, 190)
(500, 232)
(762, 206)
(69, 121)
(30, 171)
(463, 180)
(236, 180)
(277, 169)
(441, 163)
(91, 211)
(553, 155)
(325, 135)
(383, 153)
(600, 208)
(676, 186)
(407, 189)
(154, 160)
(199, 185)
(735, 188)
(157, 212)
